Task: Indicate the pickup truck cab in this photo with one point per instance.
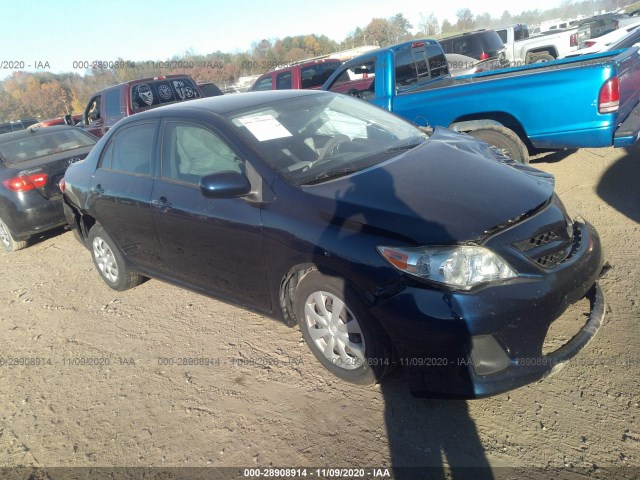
(311, 74)
(590, 101)
(108, 106)
(522, 49)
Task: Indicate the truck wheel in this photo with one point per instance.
(9, 243)
(543, 57)
(505, 140)
(338, 329)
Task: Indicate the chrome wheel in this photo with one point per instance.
(105, 260)
(5, 235)
(334, 330)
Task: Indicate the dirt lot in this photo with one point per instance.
(136, 408)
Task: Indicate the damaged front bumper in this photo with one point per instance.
(476, 344)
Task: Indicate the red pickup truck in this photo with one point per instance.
(111, 104)
(311, 74)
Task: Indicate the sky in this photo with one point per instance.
(57, 34)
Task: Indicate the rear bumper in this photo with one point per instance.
(476, 344)
(628, 132)
(25, 221)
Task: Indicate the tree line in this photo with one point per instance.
(45, 95)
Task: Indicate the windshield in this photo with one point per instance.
(42, 143)
(317, 137)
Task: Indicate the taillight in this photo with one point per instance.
(24, 183)
(62, 185)
(573, 40)
(484, 56)
(589, 43)
(417, 44)
(609, 97)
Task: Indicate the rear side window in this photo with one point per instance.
(417, 65)
(113, 103)
(283, 81)
(130, 150)
(491, 41)
(159, 92)
(315, 75)
(520, 32)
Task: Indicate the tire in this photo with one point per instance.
(361, 350)
(543, 57)
(505, 140)
(8, 241)
(109, 261)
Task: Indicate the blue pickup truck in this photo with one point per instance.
(590, 101)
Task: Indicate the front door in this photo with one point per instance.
(212, 244)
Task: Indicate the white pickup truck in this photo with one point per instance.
(522, 49)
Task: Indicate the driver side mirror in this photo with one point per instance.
(228, 184)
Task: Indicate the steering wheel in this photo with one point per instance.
(330, 146)
(327, 150)
(354, 92)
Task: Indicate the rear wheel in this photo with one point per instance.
(109, 261)
(540, 58)
(505, 140)
(338, 329)
(9, 242)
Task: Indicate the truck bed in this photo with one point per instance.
(566, 90)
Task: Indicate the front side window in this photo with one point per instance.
(191, 152)
(263, 84)
(359, 76)
(131, 149)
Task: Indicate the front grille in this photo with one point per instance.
(550, 249)
(537, 241)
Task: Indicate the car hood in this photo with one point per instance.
(450, 189)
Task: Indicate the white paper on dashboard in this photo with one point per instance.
(265, 127)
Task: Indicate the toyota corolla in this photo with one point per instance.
(386, 245)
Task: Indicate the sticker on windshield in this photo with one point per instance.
(265, 127)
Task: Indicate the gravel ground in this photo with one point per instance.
(141, 405)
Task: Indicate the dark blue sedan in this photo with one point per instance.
(385, 244)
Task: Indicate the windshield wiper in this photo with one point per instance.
(405, 145)
(329, 174)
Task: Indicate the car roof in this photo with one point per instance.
(8, 137)
(147, 79)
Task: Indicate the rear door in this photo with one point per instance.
(212, 244)
(120, 192)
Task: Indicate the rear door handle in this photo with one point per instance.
(162, 203)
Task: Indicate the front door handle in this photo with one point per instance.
(162, 203)
(97, 189)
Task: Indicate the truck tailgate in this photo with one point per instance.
(628, 73)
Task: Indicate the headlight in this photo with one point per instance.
(458, 266)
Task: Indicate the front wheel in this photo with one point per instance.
(339, 330)
(505, 140)
(109, 261)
